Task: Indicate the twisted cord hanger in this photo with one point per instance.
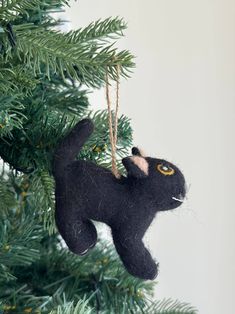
(113, 124)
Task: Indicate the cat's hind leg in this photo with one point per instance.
(79, 235)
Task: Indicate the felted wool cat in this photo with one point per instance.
(86, 192)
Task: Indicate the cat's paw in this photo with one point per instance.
(145, 271)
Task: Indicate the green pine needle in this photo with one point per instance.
(169, 306)
(11, 9)
(101, 30)
(80, 307)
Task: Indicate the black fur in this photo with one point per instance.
(85, 192)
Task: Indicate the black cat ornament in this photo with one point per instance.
(86, 192)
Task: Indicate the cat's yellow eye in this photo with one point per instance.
(166, 170)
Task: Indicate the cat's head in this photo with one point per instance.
(159, 180)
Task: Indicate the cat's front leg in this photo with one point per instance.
(135, 257)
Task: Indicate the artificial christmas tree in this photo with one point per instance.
(44, 81)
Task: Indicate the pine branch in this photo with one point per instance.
(169, 306)
(70, 308)
(62, 53)
(11, 9)
(42, 198)
(20, 238)
(11, 116)
(16, 80)
(31, 147)
(69, 275)
(110, 28)
(69, 101)
(7, 197)
(20, 233)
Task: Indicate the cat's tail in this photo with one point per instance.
(70, 146)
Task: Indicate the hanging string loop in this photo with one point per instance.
(113, 123)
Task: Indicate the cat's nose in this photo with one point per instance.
(184, 191)
(180, 196)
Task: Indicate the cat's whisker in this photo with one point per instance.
(177, 199)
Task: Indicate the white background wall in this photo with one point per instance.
(181, 99)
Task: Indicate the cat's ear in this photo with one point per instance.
(137, 152)
(136, 166)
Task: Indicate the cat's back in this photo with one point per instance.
(89, 172)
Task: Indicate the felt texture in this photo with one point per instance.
(86, 192)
